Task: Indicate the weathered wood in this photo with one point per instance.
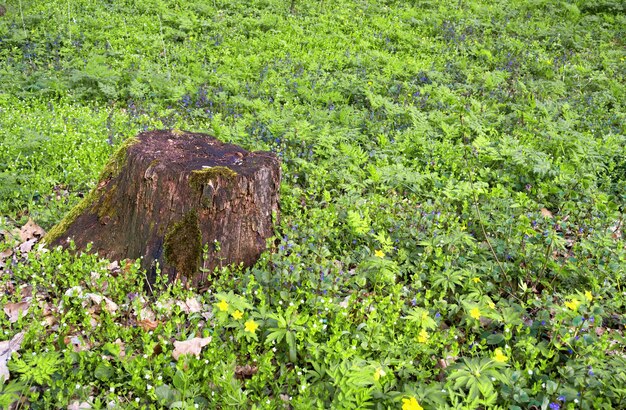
(166, 194)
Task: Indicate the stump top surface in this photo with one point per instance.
(190, 151)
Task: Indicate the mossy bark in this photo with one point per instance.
(165, 195)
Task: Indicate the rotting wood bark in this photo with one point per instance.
(166, 194)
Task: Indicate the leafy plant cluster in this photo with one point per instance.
(452, 203)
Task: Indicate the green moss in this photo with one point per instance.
(70, 217)
(107, 206)
(201, 177)
(110, 170)
(117, 160)
(183, 245)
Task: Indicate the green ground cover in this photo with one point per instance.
(454, 183)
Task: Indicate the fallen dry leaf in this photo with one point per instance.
(14, 310)
(245, 372)
(191, 346)
(76, 405)
(27, 246)
(109, 305)
(77, 343)
(4, 255)
(6, 349)
(146, 313)
(30, 231)
(546, 213)
(147, 324)
(191, 305)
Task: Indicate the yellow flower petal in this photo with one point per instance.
(475, 313)
(476, 280)
(499, 357)
(251, 326)
(572, 304)
(223, 306)
(379, 254)
(379, 373)
(423, 336)
(588, 296)
(492, 305)
(411, 404)
(237, 314)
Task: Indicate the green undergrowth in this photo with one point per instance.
(452, 203)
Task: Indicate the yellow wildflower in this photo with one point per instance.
(499, 357)
(379, 373)
(423, 336)
(237, 314)
(223, 306)
(492, 305)
(411, 404)
(588, 296)
(379, 254)
(572, 304)
(476, 279)
(251, 326)
(475, 313)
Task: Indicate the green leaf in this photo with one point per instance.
(103, 372)
(495, 339)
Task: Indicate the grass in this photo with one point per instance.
(452, 203)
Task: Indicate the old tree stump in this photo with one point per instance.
(166, 194)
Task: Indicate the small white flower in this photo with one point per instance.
(530, 372)
(148, 386)
(543, 385)
(145, 356)
(147, 377)
(299, 373)
(78, 385)
(576, 401)
(160, 378)
(268, 401)
(274, 349)
(196, 405)
(443, 390)
(280, 302)
(206, 361)
(137, 399)
(112, 389)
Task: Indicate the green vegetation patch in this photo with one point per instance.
(452, 203)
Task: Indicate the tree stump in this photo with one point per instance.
(166, 194)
